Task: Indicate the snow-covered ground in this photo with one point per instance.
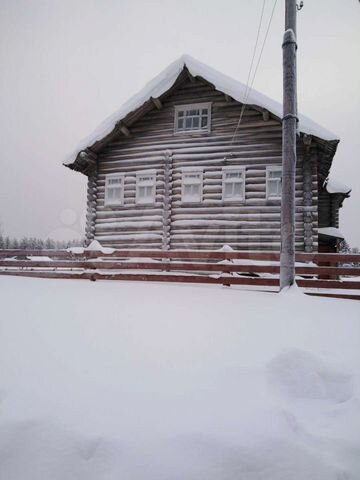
(135, 381)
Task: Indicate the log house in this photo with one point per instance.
(174, 169)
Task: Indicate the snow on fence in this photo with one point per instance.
(324, 274)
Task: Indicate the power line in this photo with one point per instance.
(251, 65)
(248, 90)
(255, 46)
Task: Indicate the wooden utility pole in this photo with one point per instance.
(289, 129)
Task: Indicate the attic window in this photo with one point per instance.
(193, 118)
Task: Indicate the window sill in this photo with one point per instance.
(113, 206)
(273, 201)
(192, 132)
(145, 204)
(234, 200)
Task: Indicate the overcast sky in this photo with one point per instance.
(66, 65)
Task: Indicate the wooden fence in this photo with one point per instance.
(324, 274)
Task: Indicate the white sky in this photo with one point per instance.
(66, 65)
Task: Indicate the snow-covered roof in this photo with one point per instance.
(229, 86)
(333, 186)
(331, 232)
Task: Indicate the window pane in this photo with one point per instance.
(188, 122)
(275, 173)
(181, 123)
(204, 121)
(237, 189)
(232, 175)
(196, 122)
(274, 188)
(192, 187)
(228, 189)
(204, 111)
(114, 181)
(278, 188)
(180, 113)
(114, 194)
(196, 190)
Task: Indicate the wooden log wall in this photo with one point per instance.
(329, 205)
(309, 216)
(170, 224)
(92, 191)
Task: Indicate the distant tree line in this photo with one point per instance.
(33, 243)
(344, 247)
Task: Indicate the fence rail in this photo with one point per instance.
(324, 274)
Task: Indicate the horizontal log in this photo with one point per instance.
(344, 296)
(151, 277)
(329, 284)
(169, 266)
(250, 281)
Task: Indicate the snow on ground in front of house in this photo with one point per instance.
(134, 381)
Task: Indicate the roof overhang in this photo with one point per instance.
(334, 187)
(331, 232)
(151, 95)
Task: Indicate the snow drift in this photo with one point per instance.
(106, 380)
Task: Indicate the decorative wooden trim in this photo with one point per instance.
(123, 129)
(265, 115)
(157, 103)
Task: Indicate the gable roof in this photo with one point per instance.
(165, 80)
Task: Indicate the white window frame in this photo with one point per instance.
(272, 168)
(146, 173)
(109, 202)
(234, 169)
(185, 173)
(192, 106)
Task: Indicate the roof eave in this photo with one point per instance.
(163, 83)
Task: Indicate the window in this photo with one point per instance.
(273, 183)
(114, 189)
(145, 187)
(192, 186)
(233, 184)
(193, 118)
